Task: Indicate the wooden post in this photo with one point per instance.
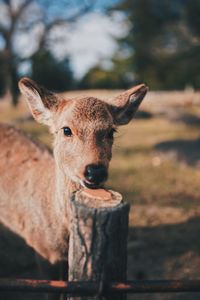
(98, 237)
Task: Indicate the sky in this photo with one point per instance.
(91, 40)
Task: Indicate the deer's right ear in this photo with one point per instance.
(125, 105)
(41, 102)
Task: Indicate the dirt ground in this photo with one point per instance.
(157, 157)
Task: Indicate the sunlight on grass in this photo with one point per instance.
(138, 170)
(144, 175)
(156, 167)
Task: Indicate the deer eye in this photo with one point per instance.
(111, 133)
(67, 131)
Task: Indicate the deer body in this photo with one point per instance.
(27, 198)
(35, 186)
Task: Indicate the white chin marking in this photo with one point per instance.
(82, 183)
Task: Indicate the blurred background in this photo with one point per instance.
(99, 48)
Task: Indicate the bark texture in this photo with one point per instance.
(98, 237)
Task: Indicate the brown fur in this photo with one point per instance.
(34, 186)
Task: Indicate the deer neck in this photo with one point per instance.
(64, 188)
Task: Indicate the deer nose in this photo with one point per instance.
(96, 174)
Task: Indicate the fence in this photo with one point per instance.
(97, 254)
(95, 288)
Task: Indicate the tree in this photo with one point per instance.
(113, 78)
(164, 42)
(53, 75)
(2, 76)
(20, 17)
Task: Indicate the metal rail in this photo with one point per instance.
(94, 288)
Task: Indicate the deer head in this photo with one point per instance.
(83, 128)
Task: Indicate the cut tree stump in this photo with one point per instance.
(98, 238)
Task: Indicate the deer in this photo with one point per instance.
(35, 185)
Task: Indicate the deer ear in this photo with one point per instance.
(126, 104)
(41, 102)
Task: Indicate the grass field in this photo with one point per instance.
(156, 166)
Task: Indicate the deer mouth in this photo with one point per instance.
(90, 185)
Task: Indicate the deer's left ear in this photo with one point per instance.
(126, 104)
(41, 102)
